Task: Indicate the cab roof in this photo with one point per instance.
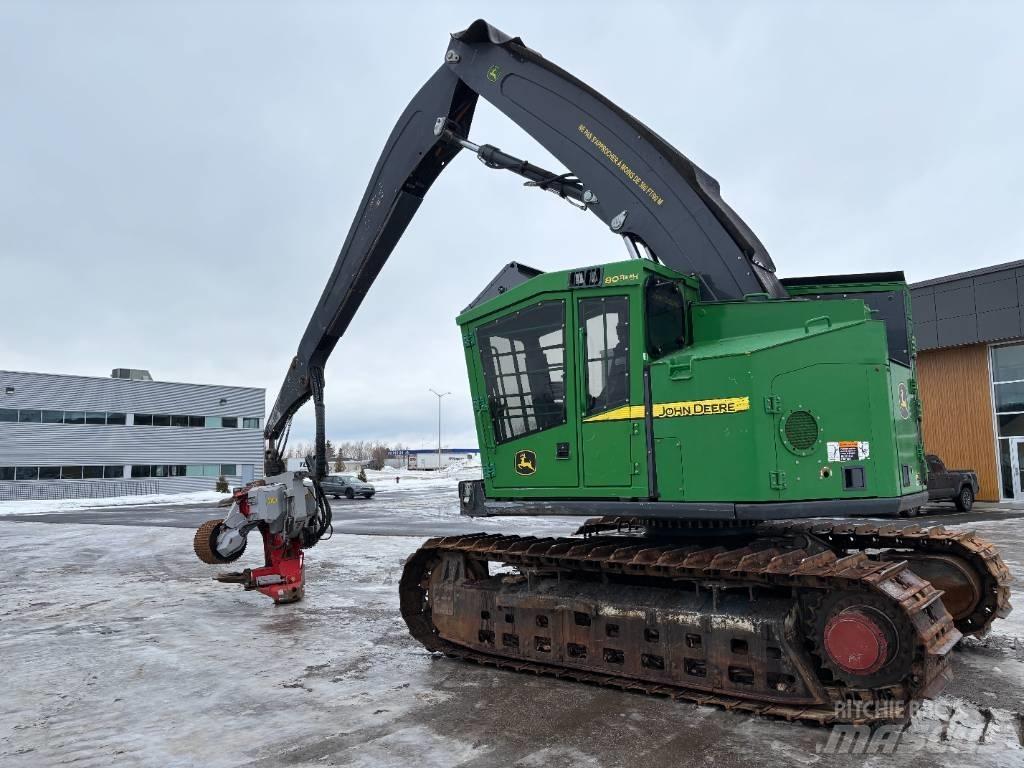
(517, 282)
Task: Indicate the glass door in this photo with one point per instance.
(531, 437)
(608, 422)
(1017, 466)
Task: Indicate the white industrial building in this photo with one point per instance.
(430, 458)
(85, 436)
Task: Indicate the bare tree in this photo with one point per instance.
(378, 456)
(373, 454)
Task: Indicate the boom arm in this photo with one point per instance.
(623, 172)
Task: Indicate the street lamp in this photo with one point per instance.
(439, 396)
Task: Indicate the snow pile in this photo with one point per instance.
(462, 466)
(44, 506)
(463, 469)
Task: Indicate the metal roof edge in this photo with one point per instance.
(970, 273)
(134, 381)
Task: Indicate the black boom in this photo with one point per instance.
(624, 173)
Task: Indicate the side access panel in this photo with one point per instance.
(828, 444)
(906, 417)
(668, 459)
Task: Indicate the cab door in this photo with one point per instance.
(528, 420)
(609, 424)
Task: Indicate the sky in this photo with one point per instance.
(176, 178)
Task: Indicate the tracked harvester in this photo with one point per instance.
(704, 416)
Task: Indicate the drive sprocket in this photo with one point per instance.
(860, 639)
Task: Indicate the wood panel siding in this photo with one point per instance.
(956, 393)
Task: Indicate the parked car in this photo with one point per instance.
(957, 485)
(347, 485)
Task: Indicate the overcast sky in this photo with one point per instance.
(176, 179)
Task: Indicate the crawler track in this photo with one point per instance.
(980, 555)
(769, 569)
(967, 568)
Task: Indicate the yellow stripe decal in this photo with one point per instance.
(676, 410)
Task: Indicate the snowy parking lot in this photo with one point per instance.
(119, 649)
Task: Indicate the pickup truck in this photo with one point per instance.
(957, 485)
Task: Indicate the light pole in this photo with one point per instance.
(439, 396)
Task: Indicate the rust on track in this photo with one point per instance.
(524, 621)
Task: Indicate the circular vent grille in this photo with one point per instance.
(801, 429)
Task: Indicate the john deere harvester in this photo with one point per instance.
(730, 437)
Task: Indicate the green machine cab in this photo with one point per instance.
(616, 389)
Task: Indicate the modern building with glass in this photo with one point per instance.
(969, 329)
(83, 436)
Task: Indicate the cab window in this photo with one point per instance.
(666, 318)
(523, 359)
(605, 324)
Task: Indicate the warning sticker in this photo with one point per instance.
(848, 450)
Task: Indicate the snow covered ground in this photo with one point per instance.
(44, 506)
(422, 480)
(118, 649)
(420, 503)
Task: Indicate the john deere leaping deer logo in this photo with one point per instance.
(526, 462)
(904, 401)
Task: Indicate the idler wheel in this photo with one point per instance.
(962, 589)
